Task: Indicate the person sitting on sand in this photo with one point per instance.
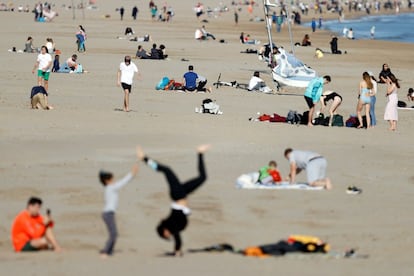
(257, 84)
(112, 188)
(314, 164)
(410, 95)
(39, 98)
(56, 64)
(247, 40)
(155, 53)
(269, 175)
(31, 231)
(72, 66)
(128, 31)
(207, 34)
(162, 52)
(306, 41)
(141, 53)
(334, 46)
(336, 102)
(198, 35)
(177, 221)
(28, 46)
(190, 81)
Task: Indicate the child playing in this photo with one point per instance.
(269, 175)
(112, 188)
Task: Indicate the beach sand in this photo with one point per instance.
(57, 154)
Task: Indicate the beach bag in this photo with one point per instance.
(305, 118)
(320, 120)
(170, 85)
(351, 122)
(337, 120)
(293, 117)
(209, 106)
(162, 83)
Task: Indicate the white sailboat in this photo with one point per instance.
(289, 71)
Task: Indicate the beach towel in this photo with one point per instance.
(250, 181)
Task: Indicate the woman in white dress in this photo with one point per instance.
(391, 111)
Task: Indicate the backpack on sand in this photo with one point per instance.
(162, 83)
(337, 120)
(293, 117)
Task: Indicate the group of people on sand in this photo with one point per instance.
(155, 53)
(32, 232)
(45, 64)
(368, 88)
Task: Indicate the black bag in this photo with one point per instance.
(293, 117)
(338, 120)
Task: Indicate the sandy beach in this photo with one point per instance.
(57, 154)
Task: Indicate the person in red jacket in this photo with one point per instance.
(30, 231)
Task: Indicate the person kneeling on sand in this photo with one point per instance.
(38, 98)
(314, 164)
(31, 231)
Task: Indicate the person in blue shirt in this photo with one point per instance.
(313, 94)
(190, 81)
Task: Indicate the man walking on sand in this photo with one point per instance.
(313, 94)
(126, 72)
(314, 164)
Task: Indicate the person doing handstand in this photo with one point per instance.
(177, 220)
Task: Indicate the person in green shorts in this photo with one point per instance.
(44, 63)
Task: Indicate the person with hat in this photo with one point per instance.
(112, 188)
(126, 72)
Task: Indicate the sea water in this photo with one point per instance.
(397, 27)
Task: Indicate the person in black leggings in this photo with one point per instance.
(177, 220)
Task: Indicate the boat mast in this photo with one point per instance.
(266, 5)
